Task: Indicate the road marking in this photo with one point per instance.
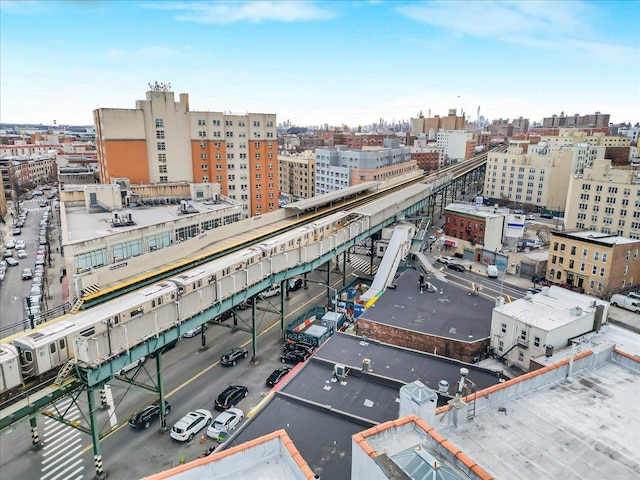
(59, 458)
(112, 408)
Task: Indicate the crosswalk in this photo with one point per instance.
(62, 451)
(363, 265)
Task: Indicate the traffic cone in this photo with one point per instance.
(202, 439)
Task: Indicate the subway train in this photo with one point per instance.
(111, 329)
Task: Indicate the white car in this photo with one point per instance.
(22, 254)
(11, 243)
(188, 426)
(225, 422)
(271, 292)
(446, 260)
(192, 333)
(432, 238)
(20, 245)
(530, 217)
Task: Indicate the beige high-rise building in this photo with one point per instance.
(162, 140)
(572, 136)
(605, 199)
(297, 174)
(537, 180)
(450, 122)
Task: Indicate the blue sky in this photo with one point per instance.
(313, 63)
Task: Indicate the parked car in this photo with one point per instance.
(492, 271)
(9, 244)
(7, 253)
(533, 290)
(294, 356)
(530, 217)
(193, 332)
(546, 215)
(432, 238)
(271, 292)
(132, 365)
(225, 422)
(168, 346)
(277, 375)
(27, 274)
(623, 301)
(11, 262)
(143, 418)
(233, 355)
(186, 428)
(20, 223)
(457, 267)
(288, 347)
(294, 284)
(17, 231)
(446, 260)
(230, 397)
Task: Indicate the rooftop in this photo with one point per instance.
(586, 426)
(476, 210)
(82, 225)
(443, 313)
(552, 310)
(334, 411)
(597, 237)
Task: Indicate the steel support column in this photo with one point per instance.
(163, 413)
(35, 439)
(95, 435)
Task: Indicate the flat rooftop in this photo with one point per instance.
(585, 427)
(320, 416)
(82, 225)
(602, 238)
(552, 310)
(475, 210)
(448, 313)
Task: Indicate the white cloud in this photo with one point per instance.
(559, 26)
(152, 51)
(253, 11)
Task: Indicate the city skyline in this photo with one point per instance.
(316, 63)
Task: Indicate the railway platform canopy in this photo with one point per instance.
(330, 198)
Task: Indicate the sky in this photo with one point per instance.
(316, 63)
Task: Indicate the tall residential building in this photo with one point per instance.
(594, 120)
(535, 180)
(423, 125)
(581, 154)
(572, 136)
(337, 168)
(297, 175)
(605, 199)
(161, 141)
(597, 263)
(458, 145)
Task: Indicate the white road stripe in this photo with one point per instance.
(62, 460)
(58, 451)
(73, 475)
(62, 472)
(50, 442)
(57, 446)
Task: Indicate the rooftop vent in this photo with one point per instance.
(443, 386)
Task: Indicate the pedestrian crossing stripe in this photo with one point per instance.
(363, 265)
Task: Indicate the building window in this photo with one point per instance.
(503, 328)
(122, 251)
(161, 146)
(162, 168)
(500, 346)
(203, 156)
(520, 356)
(573, 250)
(602, 271)
(159, 123)
(536, 341)
(164, 179)
(162, 158)
(159, 133)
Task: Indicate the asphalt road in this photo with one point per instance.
(13, 289)
(193, 378)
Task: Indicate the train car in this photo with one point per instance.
(45, 349)
(10, 369)
(112, 328)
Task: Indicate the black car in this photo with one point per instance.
(294, 356)
(230, 397)
(233, 355)
(143, 418)
(457, 267)
(307, 347)
(277, 375)
(294, 284)
(168, 346)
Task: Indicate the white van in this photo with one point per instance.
(272, 291)
(623, 301)
(492, 271)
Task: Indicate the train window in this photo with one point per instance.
(153, 303)
(52, 348)
(211, 278)
(61, 344)
(28, 356)
(159, 300)
(116, 319)
(199, 283)
(88, 332)
(137, 311)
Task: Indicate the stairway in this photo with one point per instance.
(65, 371)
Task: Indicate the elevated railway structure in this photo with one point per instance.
(122, 324)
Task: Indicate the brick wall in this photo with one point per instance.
(458, 350)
